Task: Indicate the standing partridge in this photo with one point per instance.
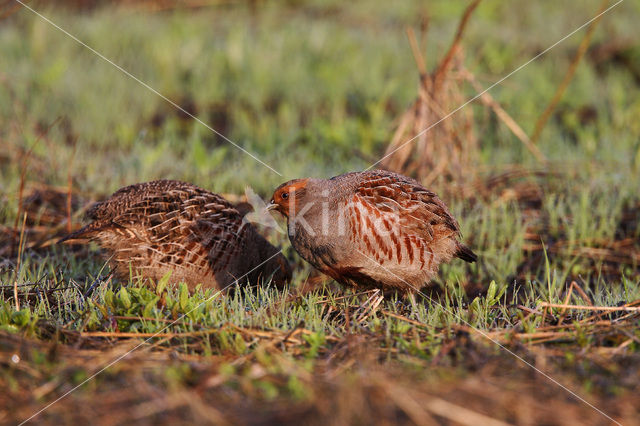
(374, 229)
(156, 227)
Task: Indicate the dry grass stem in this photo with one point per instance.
(582, 48)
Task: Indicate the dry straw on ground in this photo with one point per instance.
(348, 383)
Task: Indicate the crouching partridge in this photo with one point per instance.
(372, 229)
(156, 227)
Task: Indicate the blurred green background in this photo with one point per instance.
(311, 88)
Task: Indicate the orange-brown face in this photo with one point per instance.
(287, 197)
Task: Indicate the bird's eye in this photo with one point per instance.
(285, 195)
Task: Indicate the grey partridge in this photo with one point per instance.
(155, 227)
(372, 229)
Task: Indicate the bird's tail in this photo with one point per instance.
(465, 253)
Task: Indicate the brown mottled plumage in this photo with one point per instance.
(373, 229)
(155, 227)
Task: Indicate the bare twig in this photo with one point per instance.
(592, 308)
(459, 414)
(18, 263)
(70, 190)
(417, 53)
(488, 100)
(455, 45)
(123, 334)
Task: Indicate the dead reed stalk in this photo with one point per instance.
(426, 144)
(442, 147)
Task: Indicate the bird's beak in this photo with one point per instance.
(271, 206)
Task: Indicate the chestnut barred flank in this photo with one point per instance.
(371, 229)
(170, 226)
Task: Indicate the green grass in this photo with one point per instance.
(309, 97)
(313, 89)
